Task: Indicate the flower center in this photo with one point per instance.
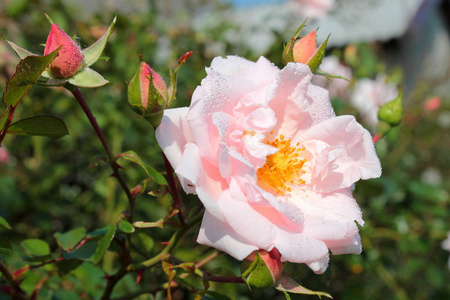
(282, 169)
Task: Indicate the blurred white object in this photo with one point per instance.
(314, 8)
(446, 246)
(337, 87)
(369, 95)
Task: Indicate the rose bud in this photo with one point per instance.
(305, 47)
(70, 57)
(261, 268)
(147, 94)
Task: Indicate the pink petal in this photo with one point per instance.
(173, 134)
(358, 159)
(219, 235)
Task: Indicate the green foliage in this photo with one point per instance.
(70, 239)
(28, 71)
(35, 247)
(48, 126)
(63, 213)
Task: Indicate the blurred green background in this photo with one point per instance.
(50, 186)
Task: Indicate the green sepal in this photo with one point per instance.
(94, 52)
(22, 53)
(134, 92)
(330, 76)
(392, 112)
(288, 285)
(27, 72)
(156, 102)
(256, 273)
(87, 78)
(48, 126)
(288, 52)
(315, 61)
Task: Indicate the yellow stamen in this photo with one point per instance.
(282, 169)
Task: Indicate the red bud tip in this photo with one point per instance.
(139, 276)
(184, 57)
(69, 59)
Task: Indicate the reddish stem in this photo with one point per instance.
(112, 158)
(7, 124)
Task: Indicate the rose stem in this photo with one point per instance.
(112, 159)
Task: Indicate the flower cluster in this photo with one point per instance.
(272, 164)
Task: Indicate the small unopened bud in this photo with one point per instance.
(70, 57)
(392, 112)
(147, 94)
(305, 47)
(262, 269)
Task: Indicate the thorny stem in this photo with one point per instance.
(16, 292)
(173, 190)
(112, 158)
(164, 254)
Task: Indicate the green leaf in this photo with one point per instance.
(48, 126)
(70, 239)
(87, 78)
(104, 243)
(22, 53)
(289, 285)
(98, 232)
(65, 266)
(3, 117)
(85, 252)
(28, 71)
(4, 223)
(315, 61)
(93, 52)
(151, 172)
(142, 224)
(5, 244)
(126, 227)
(35, 247)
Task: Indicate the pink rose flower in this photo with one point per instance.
(272, 164)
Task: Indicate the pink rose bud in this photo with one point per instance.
(157, 82)
(432, 104)
(148, 94)
(4, 156)
(69, 59)
(305, 48)
(262, 268)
